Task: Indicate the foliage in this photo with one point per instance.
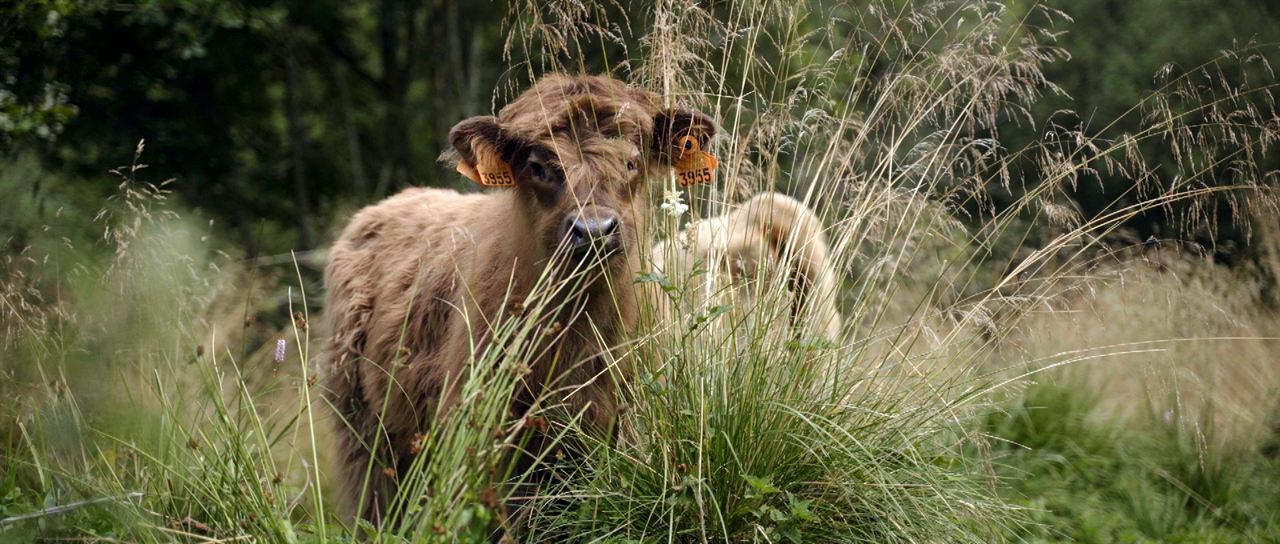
(1089, 479)
(276, 116)
(271, 113)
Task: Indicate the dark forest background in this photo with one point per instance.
(276, 118)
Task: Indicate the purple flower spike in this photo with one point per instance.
(280, 350)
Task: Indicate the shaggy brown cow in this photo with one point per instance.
(415, 280)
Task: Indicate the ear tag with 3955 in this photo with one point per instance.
(693, 165)
(490, 170)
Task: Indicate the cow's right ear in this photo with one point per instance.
(681, 137)
(480, 152)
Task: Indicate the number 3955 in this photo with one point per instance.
(700, 175)
(497, 178)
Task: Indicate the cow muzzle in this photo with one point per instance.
(592, 234)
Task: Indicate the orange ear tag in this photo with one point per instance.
(490, 170)
(465, 168)
(693, 165)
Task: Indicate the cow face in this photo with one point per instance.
(578, 152)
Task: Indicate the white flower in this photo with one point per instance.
(673, 204)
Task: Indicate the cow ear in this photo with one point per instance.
(670, 127)
(680, 139)
(480, 152)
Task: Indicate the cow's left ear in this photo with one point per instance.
(481, 153)
(680, 139)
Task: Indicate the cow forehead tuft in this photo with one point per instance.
(580, 107)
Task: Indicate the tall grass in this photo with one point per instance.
(148, 406)
(1156, 426)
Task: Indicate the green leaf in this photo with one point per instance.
(760, 486)
(654, 277)
(800, 509)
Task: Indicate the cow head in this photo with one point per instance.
(577, 152)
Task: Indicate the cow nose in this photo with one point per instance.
(590, 231)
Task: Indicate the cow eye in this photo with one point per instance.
(633, 163)
(538, 170)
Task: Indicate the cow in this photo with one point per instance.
(769, 250)
(415, 282)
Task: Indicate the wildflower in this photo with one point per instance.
(190, 525)
(535, 422)
(280, 350)
(489, 498)
(673, 204)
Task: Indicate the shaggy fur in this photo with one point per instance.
(415, 280)
(770, 234)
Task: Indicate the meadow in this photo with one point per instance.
(1016, 362)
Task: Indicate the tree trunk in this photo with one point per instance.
(297, 146)
(359, 186)
(394, 84)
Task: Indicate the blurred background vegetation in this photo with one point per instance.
(275, 118)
